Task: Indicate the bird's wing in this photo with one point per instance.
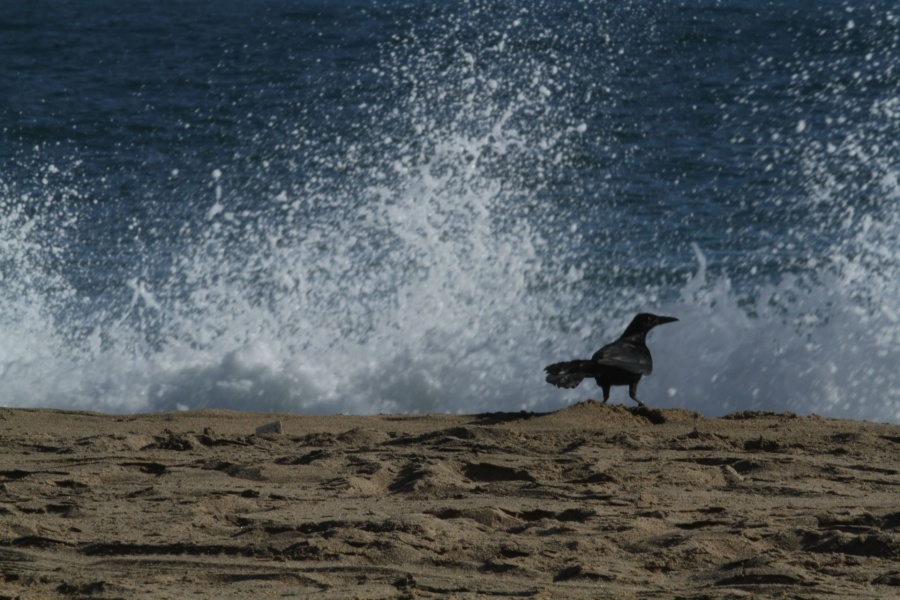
(625, 355)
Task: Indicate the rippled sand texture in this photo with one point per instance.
(589, 502)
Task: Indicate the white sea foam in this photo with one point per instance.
(433, 296)
(462, 335)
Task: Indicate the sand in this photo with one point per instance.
(594, 501)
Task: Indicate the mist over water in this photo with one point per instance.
(419, 213)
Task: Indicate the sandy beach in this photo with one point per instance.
(593, 501)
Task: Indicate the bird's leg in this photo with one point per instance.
(605, 393)
(632, 391)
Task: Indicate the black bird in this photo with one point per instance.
(622, 362)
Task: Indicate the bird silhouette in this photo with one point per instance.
(623, 362)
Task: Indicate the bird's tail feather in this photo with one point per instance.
(568, 374)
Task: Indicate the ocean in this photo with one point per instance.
(392, 206)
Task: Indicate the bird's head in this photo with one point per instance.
(644, 322)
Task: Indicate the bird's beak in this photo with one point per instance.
(661, 320)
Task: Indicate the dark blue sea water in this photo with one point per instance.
(403, 206)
